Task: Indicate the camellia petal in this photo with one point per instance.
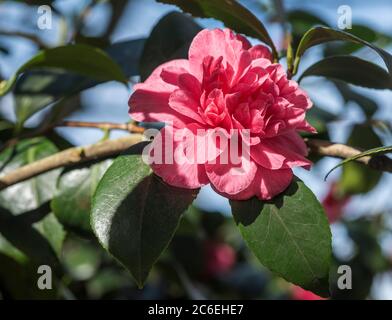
(215, 43)
(231, 178)
(266, 184)
(233, 90)
(278, 153)
(170, 161)
(149, 102)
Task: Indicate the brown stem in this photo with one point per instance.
(130, 127)
(337, 150)
(73, 156)
(70, 157)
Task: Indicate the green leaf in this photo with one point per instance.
(170, 39)
(363, 32)
(81, 59)
(81, 258)
(6, 130)
(72, 203)
(367, 153)
(135, 214)
(53, 231)
(318, 118)
(19, 281)
(26, 106)
(28, 240)
(58, 83)
(32, 193)
(289, 235)
(7, 249)
(357, 178)
(38, 88)
(301, 21)
(352, 70)
(5, 125)
(231, 13)
(368, 105)
(319, 35)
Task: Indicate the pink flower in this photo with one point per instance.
(301, 294)
(219, 258)
(226, 84)
(334, 203)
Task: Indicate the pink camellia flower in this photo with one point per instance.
(334, 203)
(227, 84)
(301, 294)
(219, 258)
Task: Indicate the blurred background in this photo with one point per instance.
(207, 258)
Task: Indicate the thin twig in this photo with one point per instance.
(70, 157)
(129, 127)
(73, 156)
(337, 150)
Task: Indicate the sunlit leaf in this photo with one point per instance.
(38, 88)
(170, 39)
(319, 35)
(72, 203)
(135, 214)
(356, 177)
(28, 240)
(352, 70)
(367, 104)
(367, 153)
(53, 231)
(301, 21)
(231, 13)
(290, 235)
(32, 193)
(81, 59)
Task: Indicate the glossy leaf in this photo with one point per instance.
(19, 281)
(81, 59)
(26, 106)
(367, 153)
(357, 178)
(72, 203)
(81, 258)
(352, 70)
(7, 249)
(53, 231)
(319, 35)
(318, 118)
(27, 248)
(170, 39)
(6, 130)
(57, 82)
(27, 239)
(301, 21)
(38, 88)
(289, 235)
(32, 193)
(135, 214)
(363, 32)
(368, 105)
(231, 13)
